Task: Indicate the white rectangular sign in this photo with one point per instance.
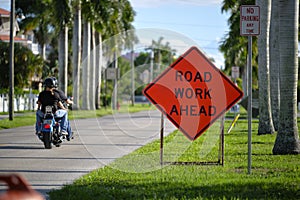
(235, 72)
(111, 73)
(249, 20)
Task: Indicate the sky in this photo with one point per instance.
(5, 4)
(198, 20)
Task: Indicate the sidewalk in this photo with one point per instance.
(97, 142)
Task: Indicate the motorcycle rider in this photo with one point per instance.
(65, 101)
(49, 98)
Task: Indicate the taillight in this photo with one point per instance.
(47, 126)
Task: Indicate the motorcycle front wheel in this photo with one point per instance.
(47, 140)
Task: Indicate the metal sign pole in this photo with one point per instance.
(132, 77)
(161, 138)
(221, 144)
(249, 103)
(11, 61)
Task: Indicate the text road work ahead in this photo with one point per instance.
(189, 93)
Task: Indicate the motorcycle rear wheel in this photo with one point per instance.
(47, 140)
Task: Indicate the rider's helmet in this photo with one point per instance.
(55, 81)
(49, 82)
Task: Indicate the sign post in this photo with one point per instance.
(249, 64)
(249, 26)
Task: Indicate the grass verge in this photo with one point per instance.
(272, 177)
(28, 118)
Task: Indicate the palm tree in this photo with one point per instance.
(62, 16)
(92, 86)
(86, 64)
(234, 46)
(156, 47)
(122, 18)
(274, 63)
(101, 22)
(89, 55)
(98, 69)
(287, 140)
(76, 49)
(37, 19)
(161, 53)
(265, 116)
(101, 19)
(108, 23)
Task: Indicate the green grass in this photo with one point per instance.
(140, 176)
(28, 118)
(25, 119)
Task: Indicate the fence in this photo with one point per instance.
(25, 102)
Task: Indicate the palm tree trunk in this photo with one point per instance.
(63, 58)
(92, 70)
(76, 44)
(43, 51)
(98, 68)
(115, 82)
(86, 65)
(287, 140)
(265, 117)
(274, 63)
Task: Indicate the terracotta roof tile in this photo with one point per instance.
(6, 38)
(4, 12)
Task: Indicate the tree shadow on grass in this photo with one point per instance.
(176, 190)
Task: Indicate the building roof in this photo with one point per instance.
(5, 38)
(4, 12)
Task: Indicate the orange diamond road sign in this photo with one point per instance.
(193, 93)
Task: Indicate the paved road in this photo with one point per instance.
(97, 142)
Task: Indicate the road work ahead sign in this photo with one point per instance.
(192, 93)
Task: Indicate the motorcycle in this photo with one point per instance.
(50, 129)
